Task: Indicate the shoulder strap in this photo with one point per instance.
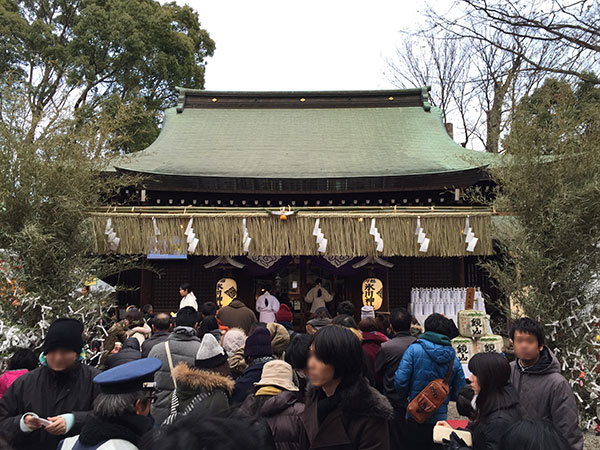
(170, 360)
(449, 374)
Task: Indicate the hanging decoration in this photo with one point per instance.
(372, 293)
(192, 240)
(283, 213)
(111, 236)
(246, 239)
(375, 233)
(422, 238)
(470, 238)
(226, 291)
(321, 241)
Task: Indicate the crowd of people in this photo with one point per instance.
(222, 379)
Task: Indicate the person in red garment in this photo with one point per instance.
(21, 362)
(371, 343)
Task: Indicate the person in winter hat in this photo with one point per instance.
(121, 411)
(233, 344)
(276, 400)
(280, 339)
(424, 361)
(61, 391)
(206, 386)
(285, 317)
(367, 312)
(257, 352)
(544, 394)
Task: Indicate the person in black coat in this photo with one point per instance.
(257, 352)
(496, 400)
(386, 363)
(61, 392)
(129, 352)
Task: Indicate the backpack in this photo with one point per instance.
(427, 402)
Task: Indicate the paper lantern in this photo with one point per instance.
(490, 344)
(464, 347)
(226, 291)
(472, 323)
(372, 293)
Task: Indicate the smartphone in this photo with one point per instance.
(44, 422)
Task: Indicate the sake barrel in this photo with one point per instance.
(464, 348)
(472, 323)
(491, 343)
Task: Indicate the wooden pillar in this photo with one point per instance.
(145, 287)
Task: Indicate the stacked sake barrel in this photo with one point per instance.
(473, 326)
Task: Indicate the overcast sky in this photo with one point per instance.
(303, 45)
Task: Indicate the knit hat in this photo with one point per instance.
(284, 314)
(233, 340)
(210, 354)
(280, 338)
(277, 373)
(366, 312)
(64, 333)
(258, 343)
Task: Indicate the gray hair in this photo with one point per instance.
(117, 405)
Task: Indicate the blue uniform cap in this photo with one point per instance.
(129, 377)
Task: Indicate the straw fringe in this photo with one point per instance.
(347, 233)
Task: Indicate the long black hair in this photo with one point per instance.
(493, 372)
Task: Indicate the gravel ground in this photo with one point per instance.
(590, 440)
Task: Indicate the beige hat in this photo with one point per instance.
(277, 373)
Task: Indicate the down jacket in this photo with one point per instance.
(199, 389)
(282, 413)
(424, 361)
(184, 346)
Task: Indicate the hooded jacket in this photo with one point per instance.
(424, 361)
(47, 393)
(282, 413)
(237, 315)
(199, 389)
(544, 394)
(184, 346)
(490, 429)
(357, 419)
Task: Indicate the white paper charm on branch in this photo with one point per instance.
(111, 236)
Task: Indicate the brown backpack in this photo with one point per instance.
(431, 398)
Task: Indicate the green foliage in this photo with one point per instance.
(549, 181)
(46, 186)
(90, 55)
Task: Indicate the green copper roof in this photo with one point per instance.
(239, 140)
